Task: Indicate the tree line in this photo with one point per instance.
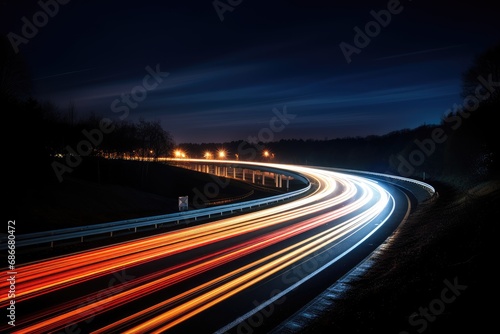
(37, 132)
(464, 144)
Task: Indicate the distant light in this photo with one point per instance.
(208, 155)
(179, 154)
(221, 154)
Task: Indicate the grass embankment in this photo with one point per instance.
(110, 190)
(438, 270)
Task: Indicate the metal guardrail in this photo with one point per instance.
(229, 199)
(428, 190)
(81, 232)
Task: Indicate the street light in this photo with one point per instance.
(267, 155)
(179, 154)
(222, 154)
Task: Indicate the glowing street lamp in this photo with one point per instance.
(208, 155)
(179, 154)
(221, 154)
(267, 154)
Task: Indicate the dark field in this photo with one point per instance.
(436, 276)
(102, 191)
(445, 243)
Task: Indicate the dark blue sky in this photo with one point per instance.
(226, 77)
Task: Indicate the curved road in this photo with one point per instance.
(242, 274)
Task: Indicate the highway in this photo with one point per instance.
(239, 274)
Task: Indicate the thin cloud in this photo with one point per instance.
(420, 52)
(63, 74)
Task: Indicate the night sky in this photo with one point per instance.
(225, 77)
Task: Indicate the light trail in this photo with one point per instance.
(46, 276)
(341, 207)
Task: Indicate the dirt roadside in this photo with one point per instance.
(435, 278)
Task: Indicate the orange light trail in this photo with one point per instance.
(338, 197)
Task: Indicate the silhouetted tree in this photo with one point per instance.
(15, 80)
(482, 78)
(155, 141)
(472, 148)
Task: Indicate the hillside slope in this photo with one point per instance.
(436, 275)
(102, 190)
